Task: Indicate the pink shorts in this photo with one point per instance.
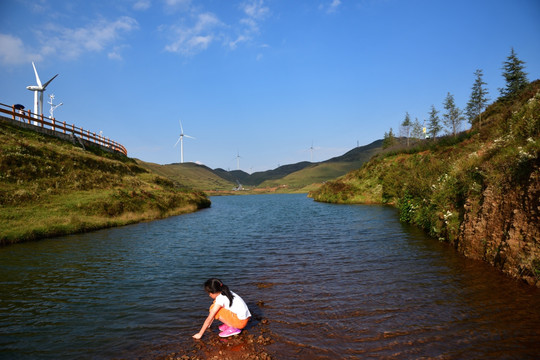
(230, 318)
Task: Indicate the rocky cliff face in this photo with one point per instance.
(503, 229)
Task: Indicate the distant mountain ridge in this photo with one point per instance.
(293, 176)
(359, 153)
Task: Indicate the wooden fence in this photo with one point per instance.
(60, 127)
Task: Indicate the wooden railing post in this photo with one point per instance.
(18, 113)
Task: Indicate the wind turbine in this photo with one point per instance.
(181, 140)
(238, 160)
(53, 107)
(311, 150)
(38, 92)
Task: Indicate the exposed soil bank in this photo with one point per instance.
(505, 229)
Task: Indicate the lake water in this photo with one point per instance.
(332, 281)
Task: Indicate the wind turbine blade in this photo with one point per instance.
(191, 137)
(48, 82)
(37, 76)
(181, 128)
(177, 141)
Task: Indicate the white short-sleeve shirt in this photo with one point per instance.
(238, 307)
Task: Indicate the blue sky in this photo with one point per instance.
(264, 79)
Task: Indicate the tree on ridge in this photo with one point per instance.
(406, 126)
(417, 131)
(452, 117)
(388, 139)
(434, 124)
(478, 100)
(516, 78)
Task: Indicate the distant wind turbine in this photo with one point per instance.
(181, 140)
(311, 150)
(238, 160)
(38, 92)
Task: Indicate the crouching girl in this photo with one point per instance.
(228, 307)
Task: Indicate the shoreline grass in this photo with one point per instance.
(49, 187)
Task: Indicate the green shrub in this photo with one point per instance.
(406, 208)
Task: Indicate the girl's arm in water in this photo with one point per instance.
(207, 322)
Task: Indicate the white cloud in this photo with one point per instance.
(177, 4)
(233, 44)
(13, 51)
(142, 5)
(255, 12)
(96, 37)
(191, 40)
(116, 53)
(251, 25)
(66, 42)
(332, 8)
(39, 6)
(255, 9)
(200, 42)
(206, 28)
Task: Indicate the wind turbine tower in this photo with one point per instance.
(181, 140)
(38, 92)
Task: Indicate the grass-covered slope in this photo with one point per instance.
(190, 174)
(313, 175)
(49, 187)
(480, 191)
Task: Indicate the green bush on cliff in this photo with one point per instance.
(432, 183)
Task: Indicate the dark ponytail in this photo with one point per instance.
(214, 285)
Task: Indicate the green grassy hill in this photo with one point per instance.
(480, 191)
(191, 175)
(280, 172)
(49, 187)
(311, 176)
(359, 154)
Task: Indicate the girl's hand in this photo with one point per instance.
(213, 311)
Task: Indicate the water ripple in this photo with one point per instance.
(336, 282)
